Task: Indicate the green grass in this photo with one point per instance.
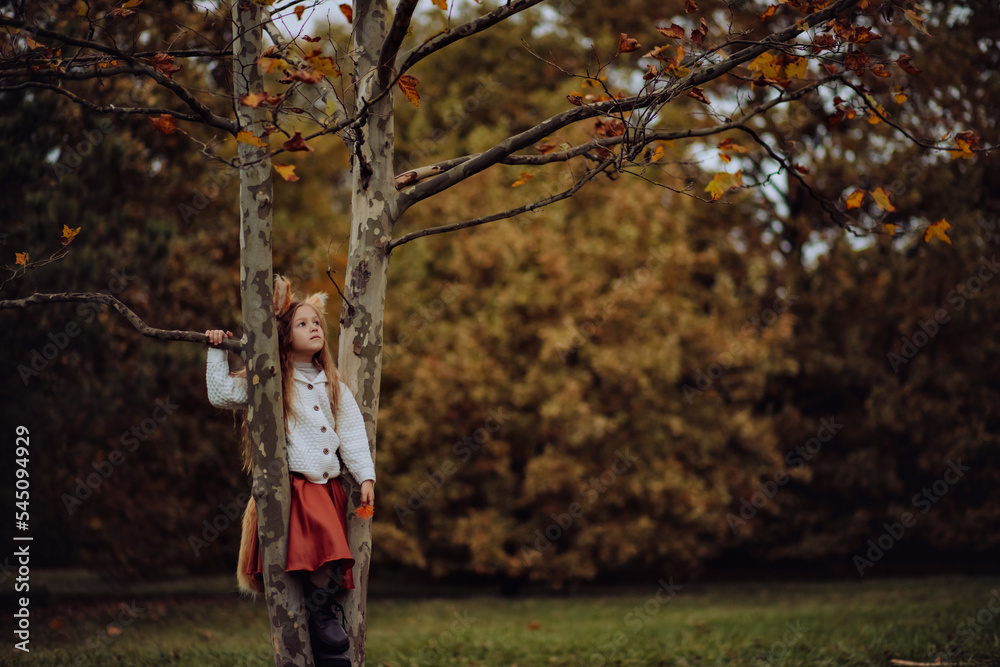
(850, 623)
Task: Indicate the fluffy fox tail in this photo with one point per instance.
(247, 583)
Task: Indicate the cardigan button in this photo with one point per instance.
(322, 429)
(310, 386)
(326, 451)
(326, 475)
(315, 407)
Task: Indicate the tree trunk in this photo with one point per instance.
(373, 211)
(271, 489)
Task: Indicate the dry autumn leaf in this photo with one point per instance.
(69, 234)
(299, 11)
(674, 31)
(365, 512)
(524, 178)
(627, 44)
(728, 144)
(939, 230)
(657, 154)
(698, 35)
(698, 94)
(246, 137)
(440, 4)
(296, 144)
(890, 229)
(21, 259)
(904, 64)
(326, 65)
(408, 84)
(268, 65)
(690, 6)
(163, 123)
(286, 171)
(347, 12)
(545, 147)
(165, 63)
(253, 100)
(855, 199)
(723, 182)
(882, 199)
(769, 13)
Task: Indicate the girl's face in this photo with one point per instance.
(307, 336)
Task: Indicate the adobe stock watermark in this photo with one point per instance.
(929, 328)
(969, 628)
(621, 288)
(420, 319)
(895, 531)
(591, 491)
(430, 653)
(753, 328)
(58, 341)
(793, 458)
(777, 653)
(130, 440)
(463, 451)
(634, 621)
(229, 514)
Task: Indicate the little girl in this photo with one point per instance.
(321, 419)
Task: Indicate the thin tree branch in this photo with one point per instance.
(480, 24)
(148, 111)
(510, 213)
(126, 312)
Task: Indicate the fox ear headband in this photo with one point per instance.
(283, 297)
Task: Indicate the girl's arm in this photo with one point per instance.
(354, 438)
(224, 390)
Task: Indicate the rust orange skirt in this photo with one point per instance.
(317, 529)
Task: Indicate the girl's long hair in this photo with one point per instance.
(322, 360)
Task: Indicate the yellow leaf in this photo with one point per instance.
(723, 182)
(132, 3)
(725, 158)
(876, 118)
(594, 83)
(70, 233)
(253, 100)
(443, 4)
(900, 97)
(21, 259)
(326, 65)
(408, 84)
(246, 137)
(268, 65)
(525, 177)
(938, 229)
(854, 201)
(765, 64)
(964, 150)
(882, 199)
(890, 229)
(657, 154)
(81, 8)
(728, 144)
(286, 171)
(266, 3)
(796, 69)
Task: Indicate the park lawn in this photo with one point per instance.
(844, 623)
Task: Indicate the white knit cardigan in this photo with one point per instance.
(313, 435)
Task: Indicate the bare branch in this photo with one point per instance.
(149, 111)
(125, 311)
(565, 194)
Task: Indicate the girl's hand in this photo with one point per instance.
(216, 336)
(368, 492)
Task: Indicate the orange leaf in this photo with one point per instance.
(900, 97)
(799, 168)
(626, 44)
(348, 12)
(306, 75)
(165, 63)
(938, 229)
(728, 144)
(286, 171)
(966, 142)
(164, 123)
(408, 84)
(32, 44)
(299, 11)
(674, 31)
(250, 139)
(365, 512)
(326, 65)
(657, 154)
(546, 147)
(890, 229)
(296, 143)
(882, 199)
(854, 201)
(690, 6)
(69, 234)
(534, 625)
(253, 100)
(440, 4)
(698, 94)
(525, 177)
(769, 13)
(575, 100)
(21, 259)
(268, 65)
(880, 70)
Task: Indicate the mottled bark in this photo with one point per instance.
(373, 213)
(271, 491)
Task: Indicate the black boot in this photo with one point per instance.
(329, 639)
